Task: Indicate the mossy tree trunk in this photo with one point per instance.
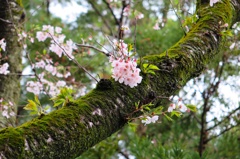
(10, 14)
(71, 130)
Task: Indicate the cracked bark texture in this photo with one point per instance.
(10, 14)
(71, 130)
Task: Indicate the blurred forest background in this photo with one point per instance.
(212, 132)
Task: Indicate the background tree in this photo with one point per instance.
(188, 58)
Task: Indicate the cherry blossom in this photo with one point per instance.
(212, 2)
(3, 44)
(125, 71)
(49, 29)
(149, 120)
(4, 69)
(7, 109)
(34, 87)
(182, 107)
(156, 26)
(126, 10)
(140, 16)
(171, 107)
(58, 30)
(41, 36)
(232, 46)
(61, 84)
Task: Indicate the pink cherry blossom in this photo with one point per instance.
(40, 64)
(5, 114)
(34, 87)
(56, 49)
(41, 36)
(58, 30)
(126, 10)
(125, 71)
(212, 2)
(4, 69)
(149, 120)
(49, 29)
(156, 26)
(171, 107)
(140, 16)
(3, 44)
(61, 84)
(182, 107)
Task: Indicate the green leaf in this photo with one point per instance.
(31, 106)
(47, 107)
(153, 67)
(176, 113)
(150, 68)
(36, 100)
(33, 113)
(63, 98)
(130, 47)
(168, 117)
(192, 108)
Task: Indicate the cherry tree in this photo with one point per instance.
(136, 84)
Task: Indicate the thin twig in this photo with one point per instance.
(19, 74)
(227, 117)
(124, 5)
(75, 61)
(92, 47)
(6, 21)
(222, 132)
(179, 19)
(99, 13)
(36, 75)
(110, 9)
(135, 36)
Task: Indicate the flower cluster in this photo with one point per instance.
(7, 109)
(57, 41)
(43, 84)
(180, 106)
(4, 69)
(124, 68)
(3, 44)
(156, 26)
(126, 71)
(48, 71)
(149, 120)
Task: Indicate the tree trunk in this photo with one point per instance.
(71, 130)
(10, 17)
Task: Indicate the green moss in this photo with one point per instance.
(19, 2)
(11, 138)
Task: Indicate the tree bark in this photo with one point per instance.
(71, 130)
(10, 17)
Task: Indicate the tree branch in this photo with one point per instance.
(99, 13)
(111, 11)
(71, 130)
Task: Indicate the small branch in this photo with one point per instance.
(18, 74)
(124, 5)
(222, 132)
(110, 9)
(6, 21)
(94, 48)
(75, 61)
(227, 117)
(179, 19)
(99, 13)
(135, 36)
(36, 75)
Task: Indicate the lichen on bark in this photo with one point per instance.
(11, 14)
